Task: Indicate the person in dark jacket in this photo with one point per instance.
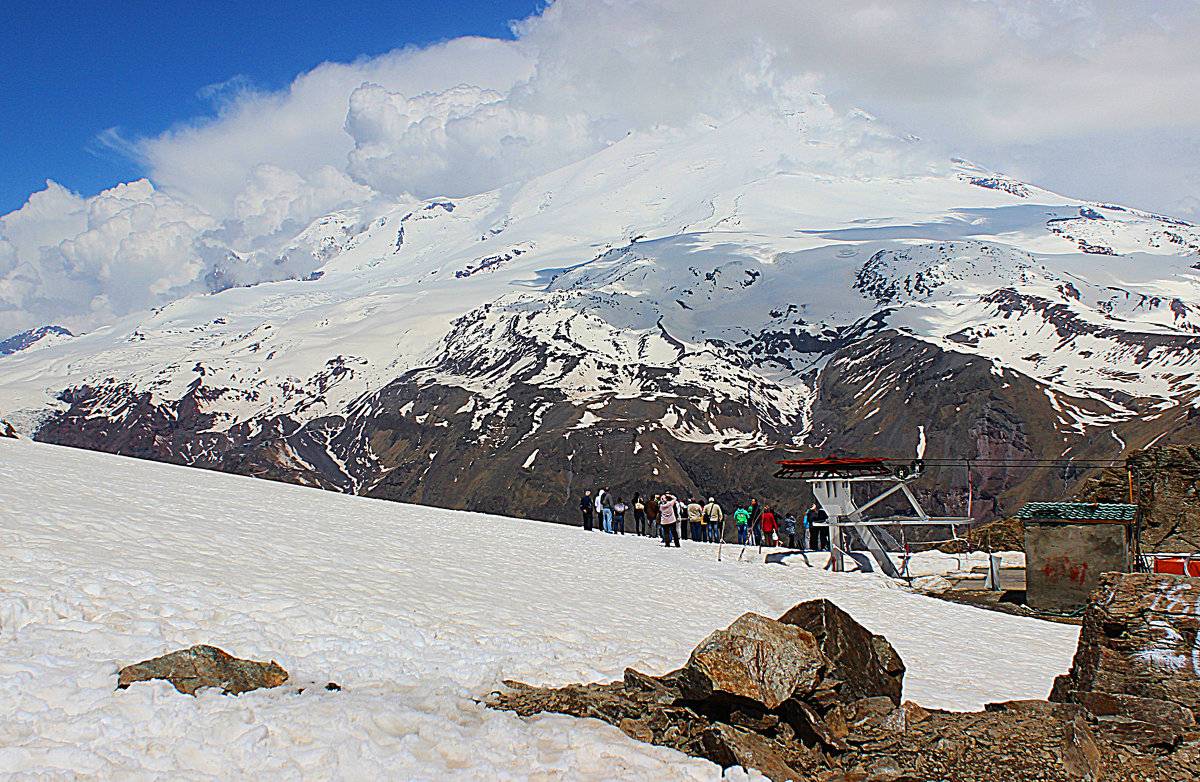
(639, 514)
(585, 507)
(606, 509)
(652, 516)
(756, 522)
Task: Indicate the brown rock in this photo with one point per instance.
(913, 714)
(636, 729)
(1139, 733)
(1081, 756)
(810, 727)
(755, 659)
(869, 710)
(865, 663)
(728, 746)
(204, 666)
(1158, 712)
(1139, 638)
(836, 720)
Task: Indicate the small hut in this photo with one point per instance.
(1068, 545)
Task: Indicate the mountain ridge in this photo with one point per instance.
(686, 299)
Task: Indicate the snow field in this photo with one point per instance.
(415, 612)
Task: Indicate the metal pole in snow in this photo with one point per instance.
(970, 492)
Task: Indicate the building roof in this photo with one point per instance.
(1079, 511)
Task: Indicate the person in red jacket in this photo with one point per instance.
(769, 527)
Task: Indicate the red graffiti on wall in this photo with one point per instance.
(1058, 568)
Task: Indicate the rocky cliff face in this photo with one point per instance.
(1163, 482)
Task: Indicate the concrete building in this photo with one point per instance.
(1068, 545)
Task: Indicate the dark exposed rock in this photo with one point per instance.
(381, 445)
(866, 664)
(813, 735)
(1160, 712)
(7, 430)
(23, 340)
(204, 666)
(730, 746)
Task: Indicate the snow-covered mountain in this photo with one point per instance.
(675, 310)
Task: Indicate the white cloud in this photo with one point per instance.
(301, 128)
(1099, 98)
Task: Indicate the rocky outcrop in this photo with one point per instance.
(1163, 481)
(1137, 666)
(188, 670)
(804, 720)
(755, 661)
(864, 663)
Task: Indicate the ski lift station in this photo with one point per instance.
(832, 481)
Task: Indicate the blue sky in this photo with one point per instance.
(71, 70)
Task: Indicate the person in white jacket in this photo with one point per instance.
(668, 519)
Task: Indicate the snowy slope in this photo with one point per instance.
(414, 611)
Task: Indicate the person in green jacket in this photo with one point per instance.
(742, 517)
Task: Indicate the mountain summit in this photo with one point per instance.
(677, 310)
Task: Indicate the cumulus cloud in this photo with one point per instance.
(1053, 91)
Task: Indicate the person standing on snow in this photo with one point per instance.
(741, 517)
(619, 515)
(585, 507)
(639, 514)
(789, 529)
(606, 509)
(713, 517)
(669, 520)
(695, 517)
(770, 526)
(755, 521)
(652, 516)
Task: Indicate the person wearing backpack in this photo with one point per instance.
(714, 517)
(639, 514)
(741, 517)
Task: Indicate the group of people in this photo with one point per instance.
(672, 518)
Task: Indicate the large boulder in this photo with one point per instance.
(1139, 637)
(204, 666)
(865, 663)
(755, 659)
(1137, 666)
